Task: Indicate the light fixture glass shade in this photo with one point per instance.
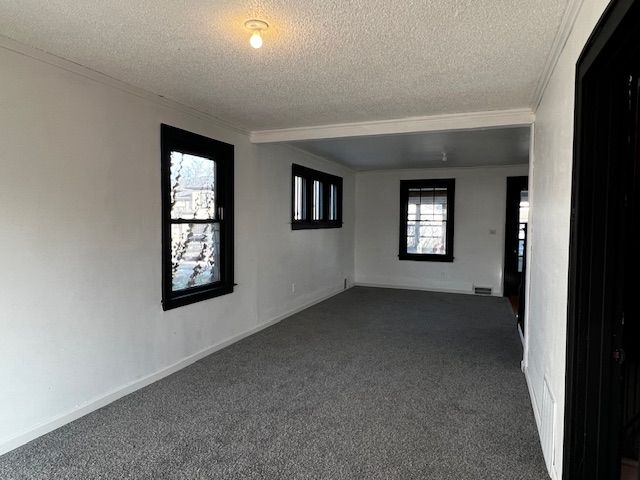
(256, 39)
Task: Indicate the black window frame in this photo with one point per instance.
(175, 139)
(450, 185)
(308, 176)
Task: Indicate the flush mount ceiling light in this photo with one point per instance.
(257, 27)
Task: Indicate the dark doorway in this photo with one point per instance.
(515, 244)
(602, 411)
(627, 331)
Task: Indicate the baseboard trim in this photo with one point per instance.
(102, 401)
(413, 287)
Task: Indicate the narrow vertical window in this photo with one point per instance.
(523, 221)
(333, 202)
(426, 220)
(316, 199)
(197, 204)
(298, 198)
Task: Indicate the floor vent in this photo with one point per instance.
(482, 290)
(547, 425)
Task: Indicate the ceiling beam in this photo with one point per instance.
(434, 123)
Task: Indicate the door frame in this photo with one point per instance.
(514, 184)
(591, 411)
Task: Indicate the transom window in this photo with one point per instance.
(197, 212)
(316, 199)
(426, 219)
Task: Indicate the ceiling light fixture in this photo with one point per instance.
(257, 27)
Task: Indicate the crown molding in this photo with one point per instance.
(434, 123)
(562, 35)
(73, 67)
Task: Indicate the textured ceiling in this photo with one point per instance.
(323, 61)
(471, 148)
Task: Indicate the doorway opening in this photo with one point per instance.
(602, 410)
(515, 245)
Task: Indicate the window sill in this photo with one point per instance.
(188, 298)
(424, 257)
(314, 225)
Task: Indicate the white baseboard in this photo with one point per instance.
(113, 395)
(412, 287)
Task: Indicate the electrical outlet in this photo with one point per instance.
(293, 288)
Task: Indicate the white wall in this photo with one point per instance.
(480, 205)
(550, 182)
(316, 261)
(80, 315)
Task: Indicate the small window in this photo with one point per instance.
(298, 195)
(316, 199)
(426, 220)
(197, 213)
(333, 202)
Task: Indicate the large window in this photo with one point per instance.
(316, 199)
(426, 220)
(197, 217)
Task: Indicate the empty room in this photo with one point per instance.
(319, 240)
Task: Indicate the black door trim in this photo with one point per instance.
(591, 428)
(515, 185)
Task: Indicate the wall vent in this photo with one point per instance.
(547, 425)
(482, 290)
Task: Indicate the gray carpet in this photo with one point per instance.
(371, 384)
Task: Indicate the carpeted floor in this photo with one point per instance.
(371, 384)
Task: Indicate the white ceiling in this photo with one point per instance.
(499, 146)
(323, 61)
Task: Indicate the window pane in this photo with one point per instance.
(524, 207)
(192, 187)
(298, 198)
(333, 202)
(520, 255)
(317, 200)
(195, 254)
(427, 221)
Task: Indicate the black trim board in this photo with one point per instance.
(175, 139)
(512, 278)
(591, 425)
(405, 185)
(309, 175)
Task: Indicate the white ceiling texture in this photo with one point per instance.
(460, 148)
(323, 61)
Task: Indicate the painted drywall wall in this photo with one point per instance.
(298, 259)
(480, 204)
(80, 318)
(550, 182)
